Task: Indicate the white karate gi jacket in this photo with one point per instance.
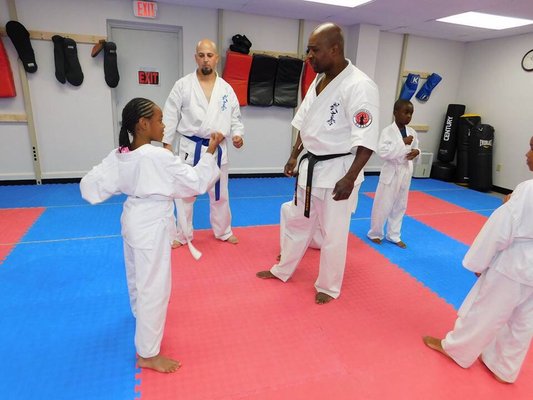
(151, 177)
(188, 113)
(505, 242)
(393, 150)
(345, 115)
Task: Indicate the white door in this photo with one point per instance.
(150, 61)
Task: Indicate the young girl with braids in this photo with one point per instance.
(152, 177)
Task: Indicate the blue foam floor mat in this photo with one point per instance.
(65, 317)
(66, 324)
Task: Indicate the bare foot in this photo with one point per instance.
(376, 240)
(435, 344)
(175, 244)
(400, 244)
(159, 363)
(232, 239)
(266, 275)
(492, 372)
(278, 257)
(322, 298)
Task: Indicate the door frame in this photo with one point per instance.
(141, 26)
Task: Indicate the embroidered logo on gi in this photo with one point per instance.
(224, 102)
(362, 118)
(333, 110)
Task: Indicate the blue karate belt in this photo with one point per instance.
(198, 152)
(312, 160)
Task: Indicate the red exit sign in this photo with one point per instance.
(148, 77)
(145, 9)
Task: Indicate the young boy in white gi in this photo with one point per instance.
(338, 127)
(496, 317)
(398, 146)
(199, 104)
(151, 177)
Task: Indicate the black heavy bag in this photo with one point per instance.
(287, 81)
(262, 78)
(448, 139)
(443, 171)
(480, 157)
(466, 122)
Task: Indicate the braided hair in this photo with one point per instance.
(136, 109)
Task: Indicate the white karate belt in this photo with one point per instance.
(185, 229)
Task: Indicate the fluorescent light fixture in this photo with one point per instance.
(487, 21)
(342, 3)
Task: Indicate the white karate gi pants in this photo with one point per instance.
(496, 321)
(316, 240)
(390, 203)
(334, 219)
(219, 211)
(148, 276)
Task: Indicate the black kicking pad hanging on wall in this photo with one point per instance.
(287, 81)
(59, 57)
(21, 40)
(73, 70)
(110, 64)
(261, 82)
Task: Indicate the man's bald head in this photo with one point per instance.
(325, 49)
(206, 45)
(206, 56)
(330, 34)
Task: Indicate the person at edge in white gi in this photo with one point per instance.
(337, 119)
(151, 177)
(496, 317)
(398, 146)
(201, 103)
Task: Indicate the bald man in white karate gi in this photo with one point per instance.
(496, 318)
(199, 104)
(337, 123)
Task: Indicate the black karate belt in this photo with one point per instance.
(312, 160)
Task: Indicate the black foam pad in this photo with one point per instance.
(262, 78)
(59, 57)
(241, 40)
(73, 70)
(443, 171)
(448, 141)
(21, 40)
(239, 48)
(110, 64)
(287, 81)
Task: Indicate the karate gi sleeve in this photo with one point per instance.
(389, 147)
(237, 128)
(496, 235)
(101, 182)
(172, 114)
(188, 181)
(363, 112)
(415, 145)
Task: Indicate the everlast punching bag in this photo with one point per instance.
(448, 141)
(480, 157)
(466, 123)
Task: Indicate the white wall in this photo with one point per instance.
(268, 133)
(494, 85)
(75, 125)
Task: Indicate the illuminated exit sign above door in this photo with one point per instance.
(145, 9)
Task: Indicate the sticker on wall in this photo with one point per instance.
(148, 76)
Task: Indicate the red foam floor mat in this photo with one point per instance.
(14, 223)
(239, 337)
(457, 222)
